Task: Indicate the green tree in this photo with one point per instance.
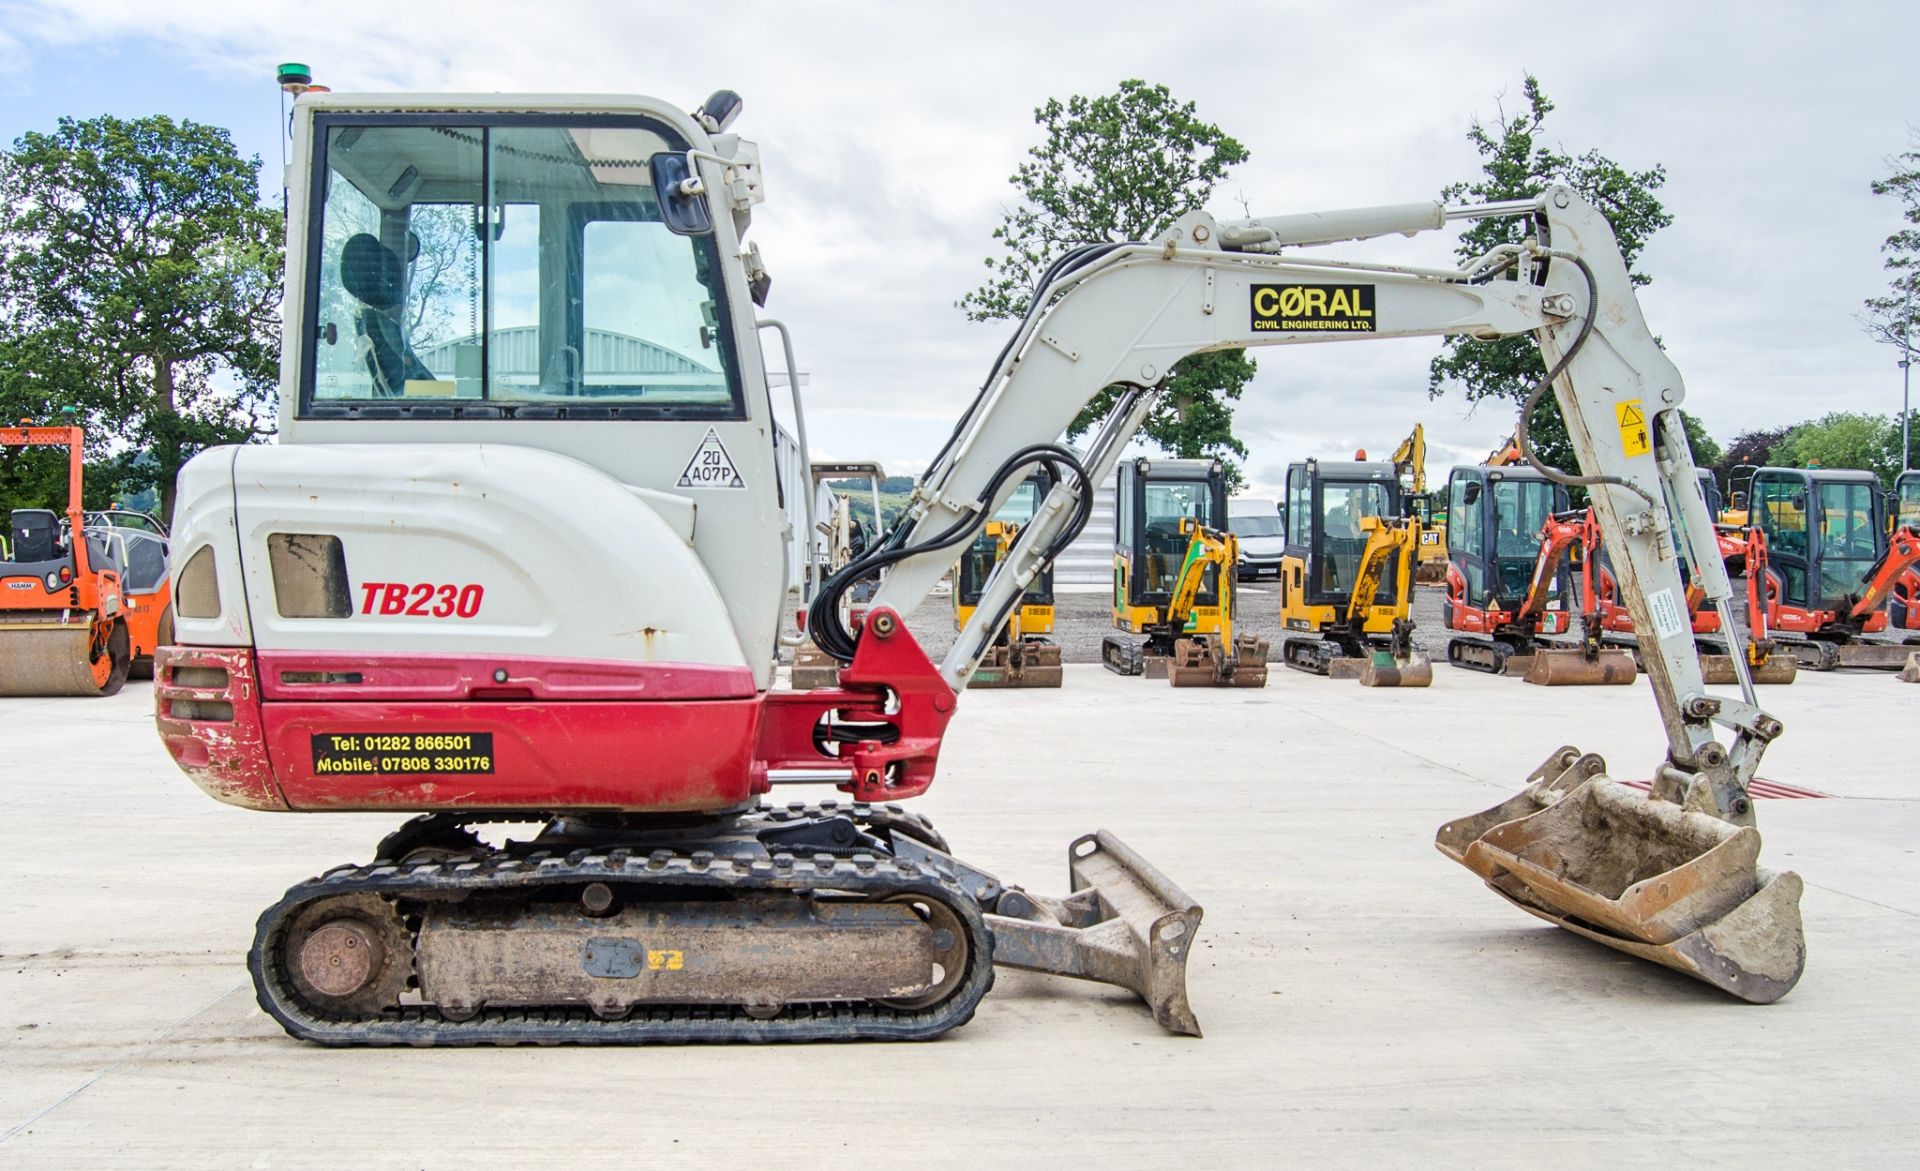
(141, 275)
(1890, 317)
(1843, 439)
(1517, 162)
(1753, 448)
(1114, 168)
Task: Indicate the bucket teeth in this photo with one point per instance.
(1639, 874)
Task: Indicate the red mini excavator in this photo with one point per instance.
(1507, 582)
(1822, 569)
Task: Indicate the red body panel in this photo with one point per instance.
(552, 736)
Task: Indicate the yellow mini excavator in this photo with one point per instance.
(1173, 579)
(1022, 655)
(1347, 579)
(1410, 461)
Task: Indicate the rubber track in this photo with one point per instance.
(865, 874)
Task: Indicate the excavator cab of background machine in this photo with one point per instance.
(1823, 530)
(1494, 518)
(1153, 497)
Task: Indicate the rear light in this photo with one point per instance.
(53, 581)
(66, 573)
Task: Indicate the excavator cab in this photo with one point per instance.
(1022, 655)
(1821, 567)
(1347, 577)
(1173, 578)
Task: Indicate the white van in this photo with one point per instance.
(1261, 530)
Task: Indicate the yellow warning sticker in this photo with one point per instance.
(1635, 436)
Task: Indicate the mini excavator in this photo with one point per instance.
(1822, 569)
(1508, 583)
(1023, 655)
(410, 606)
(1174, 579)
(1428, 508)
(1347, 578)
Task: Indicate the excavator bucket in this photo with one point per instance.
(1574, 668)
(1639, 874)
(1125, 923)
(1199, 662)
(1717, 670)
(1383, 670)
(61, 660)
(1032, 664)
(814, 668)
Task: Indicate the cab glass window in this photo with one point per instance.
(516, 268)
(1849, 536)
(1908, 504)
(1342, 508)
(1167, 504)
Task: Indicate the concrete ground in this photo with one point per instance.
(1366, 1002)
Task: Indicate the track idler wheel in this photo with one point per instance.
(350, 956)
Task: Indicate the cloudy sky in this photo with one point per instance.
(889, 131)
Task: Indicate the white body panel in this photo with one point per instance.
(204, 519)
(572, 563)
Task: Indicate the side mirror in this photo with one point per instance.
(682, 196)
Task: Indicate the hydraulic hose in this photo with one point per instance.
(1540, 388)
(831, 635)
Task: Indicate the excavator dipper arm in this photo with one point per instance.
(1669, 876)
(1127, 313)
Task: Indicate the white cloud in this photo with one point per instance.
(890, 129)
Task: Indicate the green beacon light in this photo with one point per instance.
(297, 79)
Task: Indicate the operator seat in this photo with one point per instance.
(376, 277)
(36, 535)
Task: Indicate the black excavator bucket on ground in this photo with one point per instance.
(1640, 874)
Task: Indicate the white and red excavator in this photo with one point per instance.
(518, 558)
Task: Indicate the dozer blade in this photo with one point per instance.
(1911, 672)
(1125, 924)
(1641, 875)
(1717, 670)
(1037, 665)
(1573, 668)
(1383, 670)
(56, 662)
(1198, 662)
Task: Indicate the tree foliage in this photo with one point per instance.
(1113, 168)
(1844, 439)
(1890, 317)
(140, 281)
(1518, 162)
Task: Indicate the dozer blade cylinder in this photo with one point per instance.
(1126, 924)
(1641, 875)
(1572, 668)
